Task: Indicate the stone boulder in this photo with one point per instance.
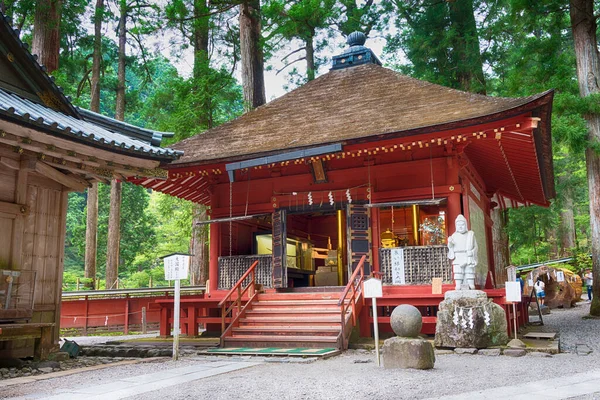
(398, 352)
(470, 329)
(406, 321)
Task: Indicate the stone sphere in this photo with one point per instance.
(406, 321)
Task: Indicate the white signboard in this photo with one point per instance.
(398, 277)
(513, 291)
(177, 266)
(373, 288)
(560, 276)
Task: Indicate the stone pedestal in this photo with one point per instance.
(461, 321)
(399, 352)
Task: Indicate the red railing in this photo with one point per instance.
(236, 303)
(346, 302)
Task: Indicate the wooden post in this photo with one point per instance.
(85, 316)
(150, 282)
(144, 323)
(126, 330)
(77, 285)
(215, 243)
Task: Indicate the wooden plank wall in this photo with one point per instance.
(35, 243)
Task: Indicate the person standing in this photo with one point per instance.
(589, 281)
(540, 292)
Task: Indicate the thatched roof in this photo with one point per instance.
(345, 105)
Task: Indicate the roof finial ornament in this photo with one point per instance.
(356, 39)
(356, 54)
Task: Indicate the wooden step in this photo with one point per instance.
(292, 312)
(281, 341)
(291, 321)
(297, 303)
(287, 330)
(299, 296)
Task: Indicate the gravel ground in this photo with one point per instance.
(355, 373)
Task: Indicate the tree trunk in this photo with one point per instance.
(253, 80)
(310, 59)
(91, 230)
(198, 246)
(567, 221)
(500, 240)
(114, 235)
(97, 62)
(120, 106)
(46, 33)
(201, 37)
(583, 24)
(114, 216)
(466, 51)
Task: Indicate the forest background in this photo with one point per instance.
(123, 58)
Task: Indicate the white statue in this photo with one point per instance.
(462, 250)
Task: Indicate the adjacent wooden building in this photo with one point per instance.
(48, 148)
(362, 161)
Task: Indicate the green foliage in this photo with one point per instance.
(582, 261)
(302, 21)
(441, 41)
(74, 245)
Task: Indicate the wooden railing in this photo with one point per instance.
(236, 304)
(351, 296)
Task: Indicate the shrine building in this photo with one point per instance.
(362, 161)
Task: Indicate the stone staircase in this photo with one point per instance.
(290, 320)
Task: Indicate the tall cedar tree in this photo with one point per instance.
(253, 78)
(114, 217)
(584, 26)
(91, 231)
(46, 33)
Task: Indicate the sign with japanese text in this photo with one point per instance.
(177, 266)
(398, 277)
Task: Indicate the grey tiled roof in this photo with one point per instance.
(67, 127)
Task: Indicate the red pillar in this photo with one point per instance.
(213, 266)
(126, 327)
(375, 238)
(453, 210)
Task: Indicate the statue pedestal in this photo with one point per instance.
(404, 353)
(467, 318)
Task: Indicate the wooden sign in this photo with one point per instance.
(436, 286)
(177, 266)
(373, 288)
(560, 276)
(511, 273)
(513, 291)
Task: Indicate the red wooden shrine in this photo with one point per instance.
(360, 161)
